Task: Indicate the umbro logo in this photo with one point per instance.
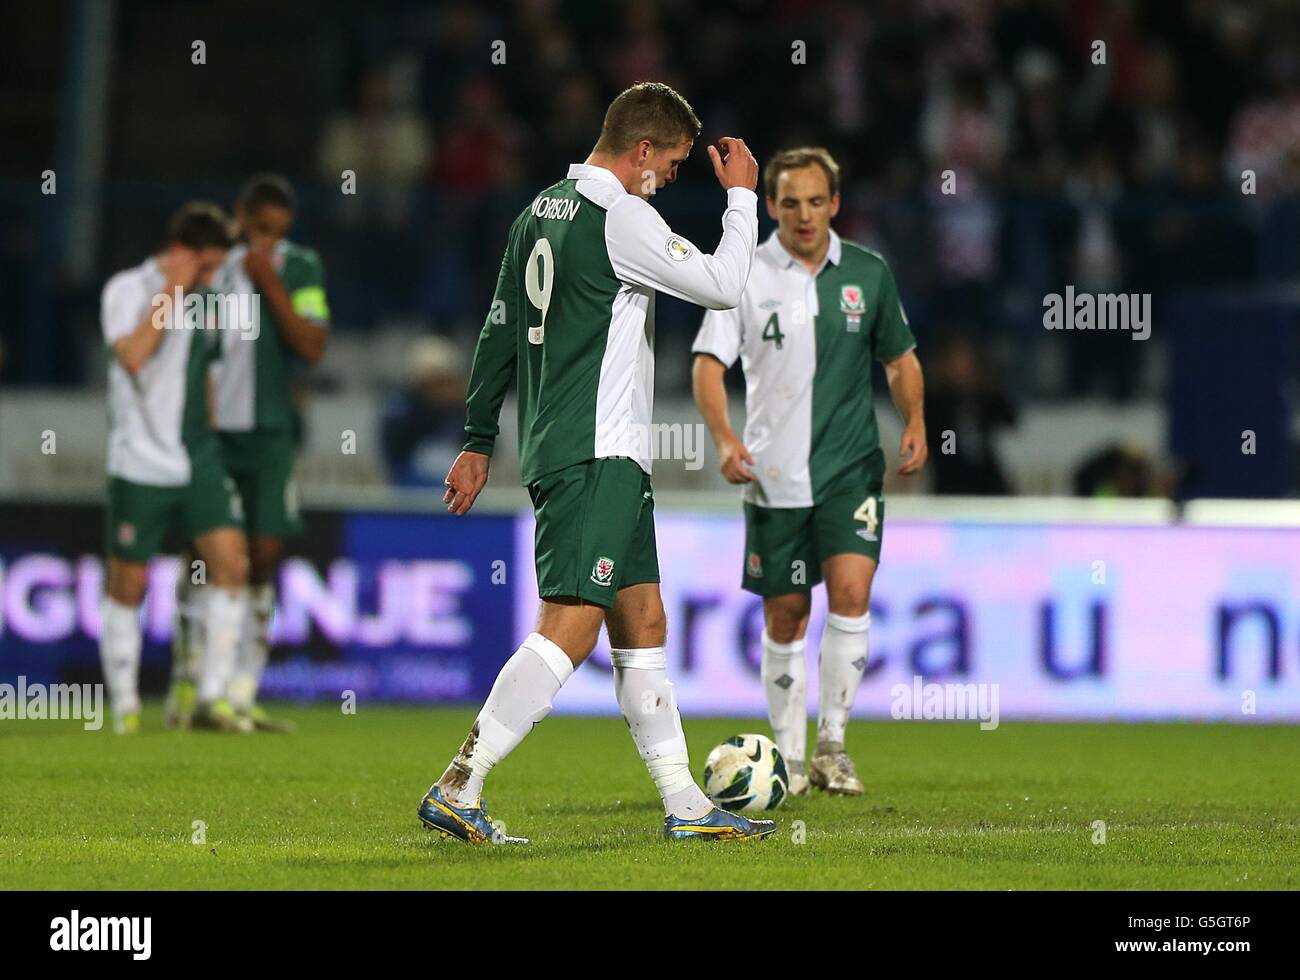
(866, 534)
(769, 304)
(784, 682)
(860, 663)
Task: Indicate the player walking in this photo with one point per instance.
(816, 311)
(256, 417)
(164, 461)
(573, 317)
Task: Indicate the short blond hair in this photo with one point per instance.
(796, 159)
(647, 111)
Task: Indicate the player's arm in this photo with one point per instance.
(644, 251)
(301, 313)
(489, 379)
(907, 388)
(135, 338)
(895, 347)
(716, 347)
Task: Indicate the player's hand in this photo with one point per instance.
(257, 262)
(465, 481)
(734, 165)
(913, 443)
(734, 457)
(181, 266)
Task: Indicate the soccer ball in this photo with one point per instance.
(746, 772)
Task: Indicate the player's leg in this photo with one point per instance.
(842, 658)
(522, 694)
(135, 518)
(261, 463)
(224, 553)
(848, 527)
(637, 633)
(638, 630)
(520, 698)
(781, 566)
(187, 645)
(574, 603)
(784, 672)
(120, 640)
(214, 521)
(265, 553)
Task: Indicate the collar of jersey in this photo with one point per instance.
(785, 259)
(585, 171)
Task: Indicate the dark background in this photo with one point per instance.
(1122, 177)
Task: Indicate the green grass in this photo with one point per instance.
(948, 806)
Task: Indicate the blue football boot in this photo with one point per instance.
(718, 824)
(470, 824)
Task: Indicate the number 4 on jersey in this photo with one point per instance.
(772, 331)
(866, 512)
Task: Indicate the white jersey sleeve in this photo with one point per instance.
(719, 335)
(124, 303)
(644, 251)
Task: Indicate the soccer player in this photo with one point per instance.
(573, 318)
(164, 460)
(256, 419)
(815, 313)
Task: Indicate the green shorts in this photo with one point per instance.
(138, 516)
(261, 463)
(595, 530)
(785, 546)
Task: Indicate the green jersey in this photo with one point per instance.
(573, 318)
(252, 378)
(806, 343)
(158, 416)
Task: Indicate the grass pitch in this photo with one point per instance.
(947, 806)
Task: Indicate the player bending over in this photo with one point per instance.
(164, 460)
(816, 312)
(255, 416)
(573, 317)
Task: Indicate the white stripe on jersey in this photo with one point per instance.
(647, 256)
(778, 383)
(234, 374)
(145, 411)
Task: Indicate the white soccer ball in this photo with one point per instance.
(746, 773)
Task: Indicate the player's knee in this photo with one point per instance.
(654, 626)
(784, 621)
(127, 589)
(263, 560)
(649, 628)
(783, 629)
(230, 570)
(850, 600)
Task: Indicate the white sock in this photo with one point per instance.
(224, 613)
(520, 698)
(254, 647)
(842, 659)
(785, 681)
(649, 707)
(187, 628)
(119, 652)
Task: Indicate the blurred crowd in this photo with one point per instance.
(994, 150)
(1099, 143)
